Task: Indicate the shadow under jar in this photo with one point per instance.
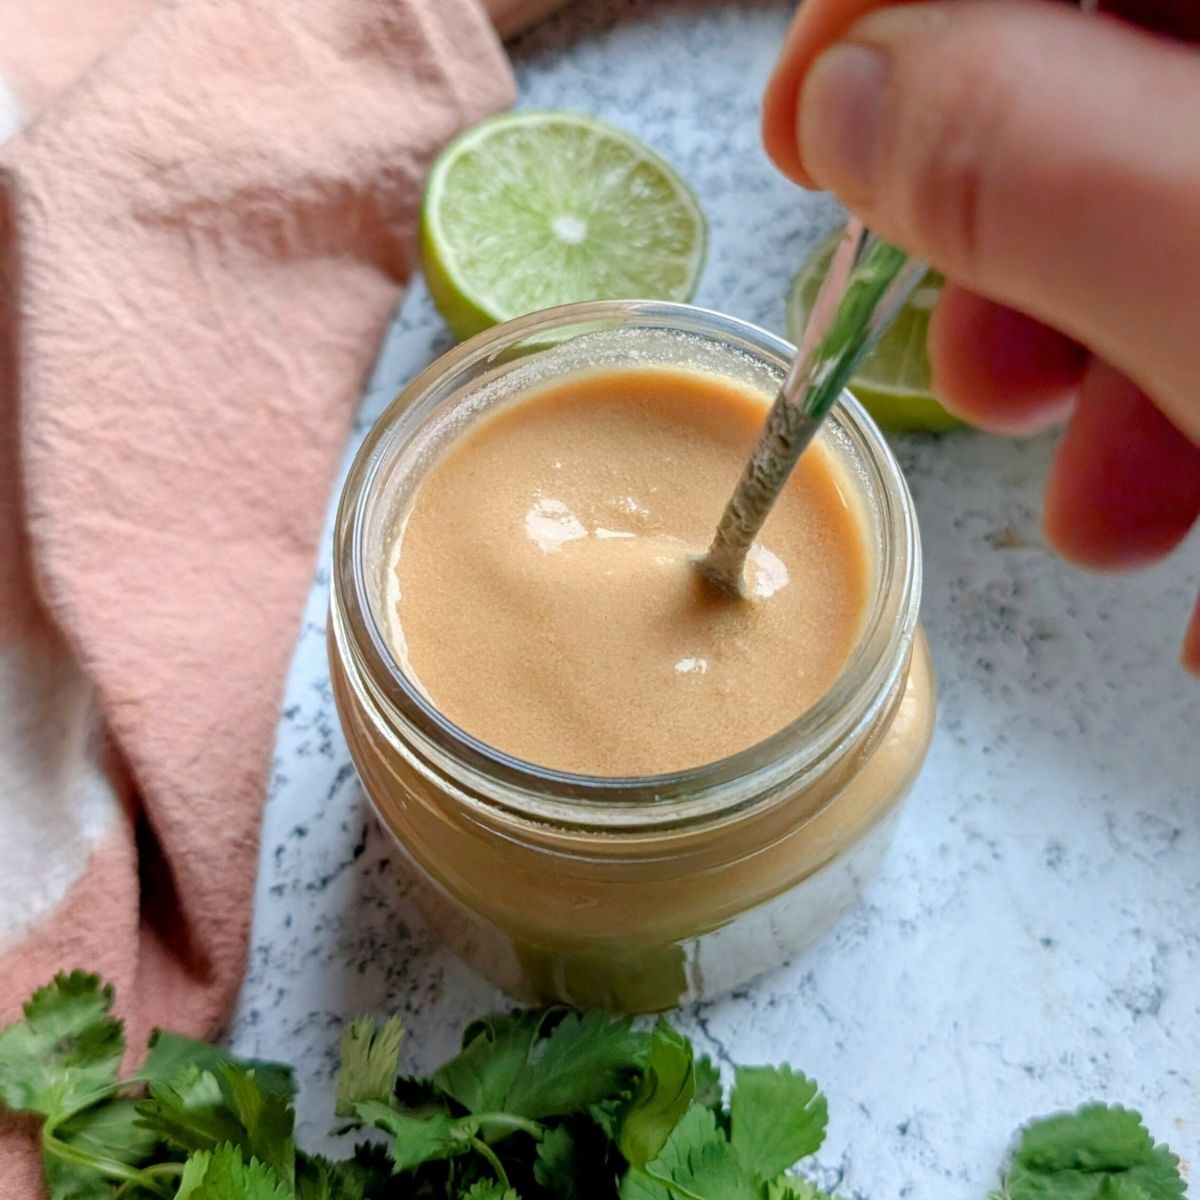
(628, 893)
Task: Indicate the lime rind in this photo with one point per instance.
(894, 382)
(528, 210)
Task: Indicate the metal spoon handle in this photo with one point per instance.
(867, 284)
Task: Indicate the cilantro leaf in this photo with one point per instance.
(665, 1093)
(708, 1084)
(370, 1062)
(193, 1174)
(697, 1127)
(190, 1113)
(586, 1058)
(697, 1163)
(542, 1063)
(1098, 1151)
(792, 1187)
(777, 1116)
(223, 1174)
(267, 1118)
(203, 1110)
(495, 1051)
(1159, 1177)
(489, 1189)
(1119, 1187)
(171, 1052)
(609, 1113)
(108, 1133)
(66, 1180)
(1096, 1138)
(418, 1139)
(715, 1174)
(554, 1168)
(1060, 1185)
(82, 1155)
(68, 1046)
(318, 1178)
(638, 1185)
(109, 1130)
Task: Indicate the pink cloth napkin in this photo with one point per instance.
(204, 227)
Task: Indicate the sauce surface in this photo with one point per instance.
(543, 594)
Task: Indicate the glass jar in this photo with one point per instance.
(627, 893)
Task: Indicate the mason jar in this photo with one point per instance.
(631, 893)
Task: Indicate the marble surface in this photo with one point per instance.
(1033, 939)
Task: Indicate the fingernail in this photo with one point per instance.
(841, 115)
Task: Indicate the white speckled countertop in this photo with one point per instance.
(1034, 937)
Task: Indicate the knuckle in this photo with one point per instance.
(949, 156)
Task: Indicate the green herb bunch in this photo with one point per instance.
(545, 1104)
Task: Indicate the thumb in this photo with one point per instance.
(1044, 158)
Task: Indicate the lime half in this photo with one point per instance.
(893, 381)
(529, 210)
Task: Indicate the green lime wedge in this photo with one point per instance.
(893, 381)
(529, 210)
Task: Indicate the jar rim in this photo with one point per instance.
(502, 783)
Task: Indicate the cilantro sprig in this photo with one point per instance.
(545, 1104)
(1100, 1152)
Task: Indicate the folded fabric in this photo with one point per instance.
(203, 233)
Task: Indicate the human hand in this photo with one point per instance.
(1048, 163)
(512, 17)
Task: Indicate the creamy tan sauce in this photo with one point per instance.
(544, 597)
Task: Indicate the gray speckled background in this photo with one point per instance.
(1034, 937)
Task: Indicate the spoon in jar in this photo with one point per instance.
(866, 285)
